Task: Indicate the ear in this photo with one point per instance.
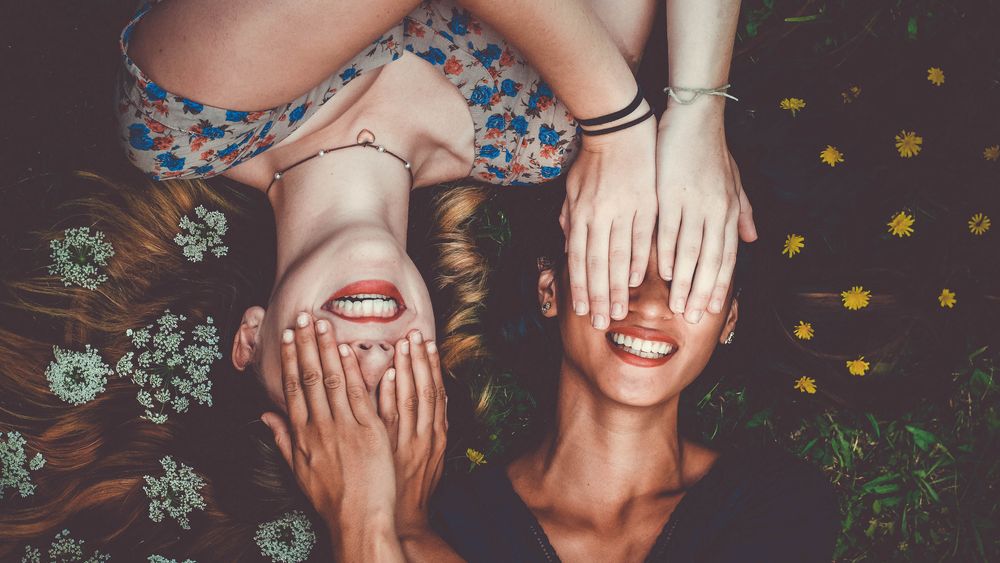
(547, 293)
(245, 341)
(731, 317)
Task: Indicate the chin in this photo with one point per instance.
(639, 389)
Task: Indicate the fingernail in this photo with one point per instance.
(679, 305)
(580, 308)
(266, 423)
(302, 320)
(344, 349)
(391, 374)
(322, 326)
(416, 337)
(696, 316)
(599, 321)
(616, 310)
(431, 347)
(633, 280)
(287, 336)
(404, 347)
(716, 306)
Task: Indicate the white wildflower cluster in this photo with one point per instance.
(175, 494)
(168, 370)
(162, 559)
(78, 257)
(287, 539)
(64, 549)
(204, 235)
(14, 464)
(77, 377)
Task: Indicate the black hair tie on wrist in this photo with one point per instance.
(625, 125)
(601, 120)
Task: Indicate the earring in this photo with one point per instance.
(729, 339)
(546, 306)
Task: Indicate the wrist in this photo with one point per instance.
(356, 532)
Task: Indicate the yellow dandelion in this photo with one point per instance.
(901, 224)
(858, 366)
(806, 384)
(979, 224)
(935, 75)
(830, 155)
(475, 456)
(851, 94)
(992, 153)
(793, 244)
(804, 331)
(908, 143)
(947, 298)
(792, 104)
(855, 298)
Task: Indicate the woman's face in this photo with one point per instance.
(365, 284)
(646, 358)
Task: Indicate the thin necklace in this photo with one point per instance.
(365, 139)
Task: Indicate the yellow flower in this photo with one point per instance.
(908, 143)
(851, 94)
(935, 75)
(804, 331)
(979, 224)
(792, 104)
(901, 224)
(855, 298)
(858, 366)
(475, 456)
(806, 384)
(992, 153)
(947, 298)
(830, 155)
(793, 245)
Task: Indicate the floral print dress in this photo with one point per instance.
(523, 134)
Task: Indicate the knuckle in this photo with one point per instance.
(390, 420)
(411, 403)
(291, 386)
(310, 377)
(441, 393)
(429, 392)
(692, 251)
(333, 381)
(356, 392)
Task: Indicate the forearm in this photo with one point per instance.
(700, 36)
(569, 46)
(371, 540)
(428, 547)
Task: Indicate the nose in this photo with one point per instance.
(374, 358)
(651, 299)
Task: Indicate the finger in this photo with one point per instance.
(295, 403)
(642, 240)
(387, 405)
(620, 258)
(747, 228)
(728, 266)
(406, 395)
(688, 249)
(577, 264)
(707, 269)
(311, 369)
(598, 243)
(426, 390)
(564, 223)
(333, 370)
(668, 226)
(357, 393)
(441, 407)
(282, 437)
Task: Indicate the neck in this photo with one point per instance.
(353, 188)
(609, 452)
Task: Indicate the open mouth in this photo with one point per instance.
(642, 347)
(368, 301)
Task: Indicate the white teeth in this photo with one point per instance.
(377, 308)
(627, 341)
(647, 346)
(366, 305)
(642, 348)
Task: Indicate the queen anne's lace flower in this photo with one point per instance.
(162, 559)
(78, 257)
(175, 494)
(203, 236)
(77, 377)
(288, 539)
(169, 371)
(63, 549)
(13, 460)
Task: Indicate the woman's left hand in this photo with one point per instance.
(703, 209)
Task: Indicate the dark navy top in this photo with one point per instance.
(754, 505)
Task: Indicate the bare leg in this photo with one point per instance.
(256, 54)
(629, 22)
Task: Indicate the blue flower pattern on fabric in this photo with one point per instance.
(548, 136)
(488, 55)
(154, 92)
(348, 74)
(236, 116)
(138, 137)
(434, 56)
(297, 114)
(170, 161)
(509, 87)
(489, 151)
(496, 121)
(520, 125)
(192, 106)
(550, 171)
(459, 24)
(482, 95)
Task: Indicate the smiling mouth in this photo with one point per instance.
(635, 350)
(368, 301)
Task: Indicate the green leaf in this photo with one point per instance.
(911, 27)
(871, 418)
(876, 506)
(922, 438)
(752, 28)
(799, 19)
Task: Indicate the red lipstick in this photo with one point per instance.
(379, 287)
(643, 334)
